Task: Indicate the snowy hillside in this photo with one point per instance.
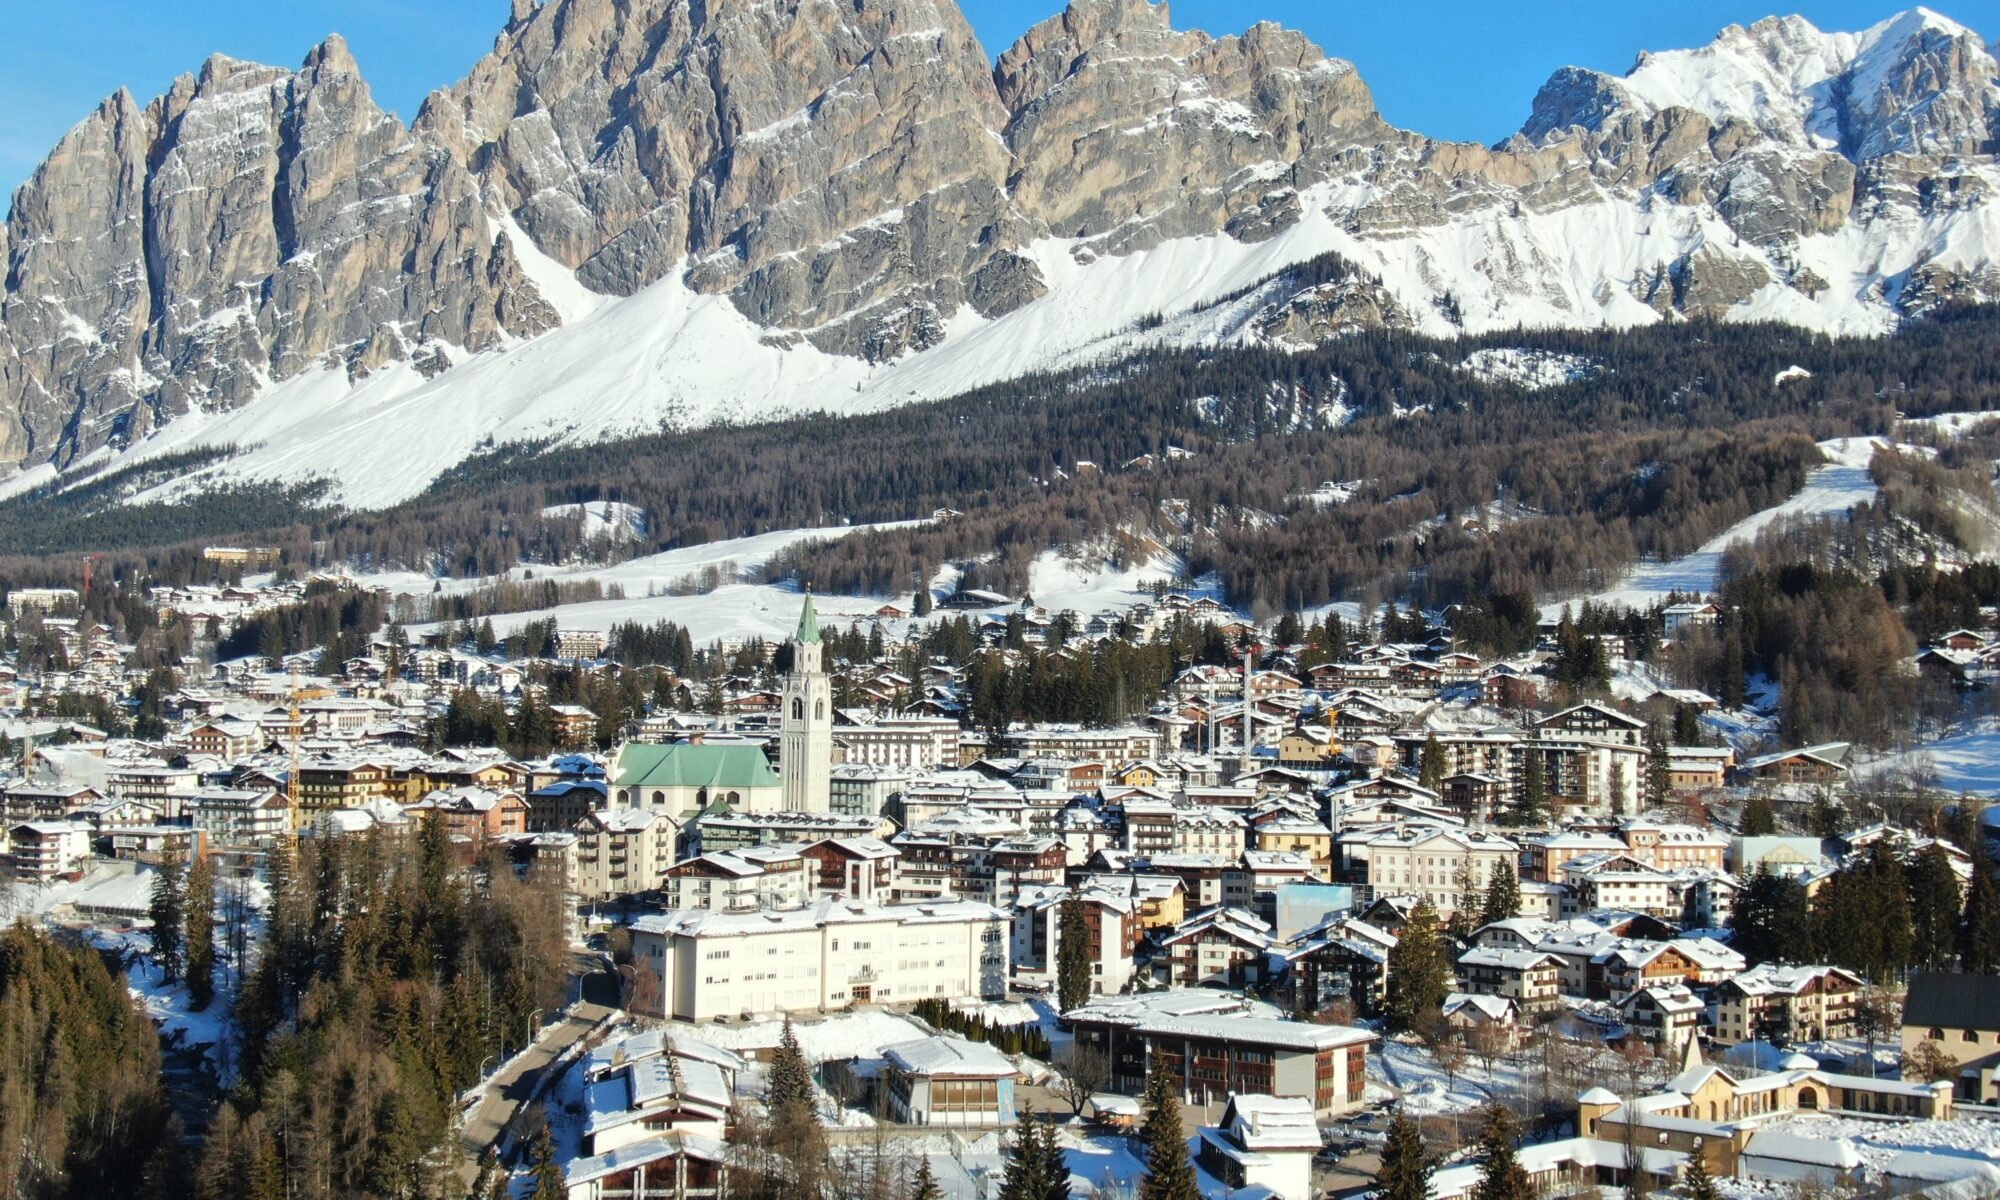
(670, 356)
(1838, 485)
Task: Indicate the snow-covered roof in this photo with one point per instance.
(1836, 1153)
(947, 1055)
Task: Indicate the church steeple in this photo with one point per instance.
(808, 634)
(805, 731)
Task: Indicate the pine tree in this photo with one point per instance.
(1503, 895)
(1073, 983)
(198, 920)
(1659, 771)
(1169, 1172)
(791, 1087)
(1430, 769)
(1772, 919)
(1531, 805)
(1759, 819)
(924, 1186)
(1035, 1169)
(545, 1174)
(166, 909)
(1501, 1176)
(1935, 904)
(1696, 1180)
(1419, 971)
(1405, 1173)
(1979, 935)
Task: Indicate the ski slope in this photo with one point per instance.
(1835, 487)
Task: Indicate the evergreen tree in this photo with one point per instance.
(1829, 820)
(1430, 768)
(1503, 895)
(924, 1186)
(1772, 920)
(1979, 934)
(198, 920)
(1531, 805)
(1696, 1180)
(791, 1086)
(1419, 971)
(1035, 1168)
(922, 608)
(1659, 771)
(166, 909)
(1935, 904)
(545, 1174)
(484, 642)
(1501, 1176)
(1073, 983)
(1169, 1172)
(1406, 1172)
(1759, 818)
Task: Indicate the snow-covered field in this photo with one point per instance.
(1880, 1141)
(847, 1035)
(1834, 487)
(1968, 761)
(739, 607)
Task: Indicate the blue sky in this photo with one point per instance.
(1449, 68)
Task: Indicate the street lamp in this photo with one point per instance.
(531, 1025)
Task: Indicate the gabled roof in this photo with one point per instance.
(682, 765)
(1952, 1001)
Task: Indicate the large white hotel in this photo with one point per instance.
(825, 956)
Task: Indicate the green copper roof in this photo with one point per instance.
(808, 624)
(679, 765)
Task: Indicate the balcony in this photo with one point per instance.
(863, 975)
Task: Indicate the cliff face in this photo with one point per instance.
(853, 175)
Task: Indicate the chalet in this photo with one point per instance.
(1787, 1003)
(1825, 763)
(1527, 978)
(1218, 945)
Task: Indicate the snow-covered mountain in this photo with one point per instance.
(636, 212)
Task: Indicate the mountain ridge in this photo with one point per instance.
(661, 211)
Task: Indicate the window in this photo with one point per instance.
(1972, 1035)
(1937, 1035)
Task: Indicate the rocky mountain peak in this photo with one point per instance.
(856, 177)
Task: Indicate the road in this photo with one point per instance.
(594, 995)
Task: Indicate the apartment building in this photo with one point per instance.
(1800, 1004)
(827, 955)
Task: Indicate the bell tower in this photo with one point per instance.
(805, 731)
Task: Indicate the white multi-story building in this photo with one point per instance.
(744, 880)
(239, 816)
(918, 743)
(827, 955)
(1433, 862)
(39, 851)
